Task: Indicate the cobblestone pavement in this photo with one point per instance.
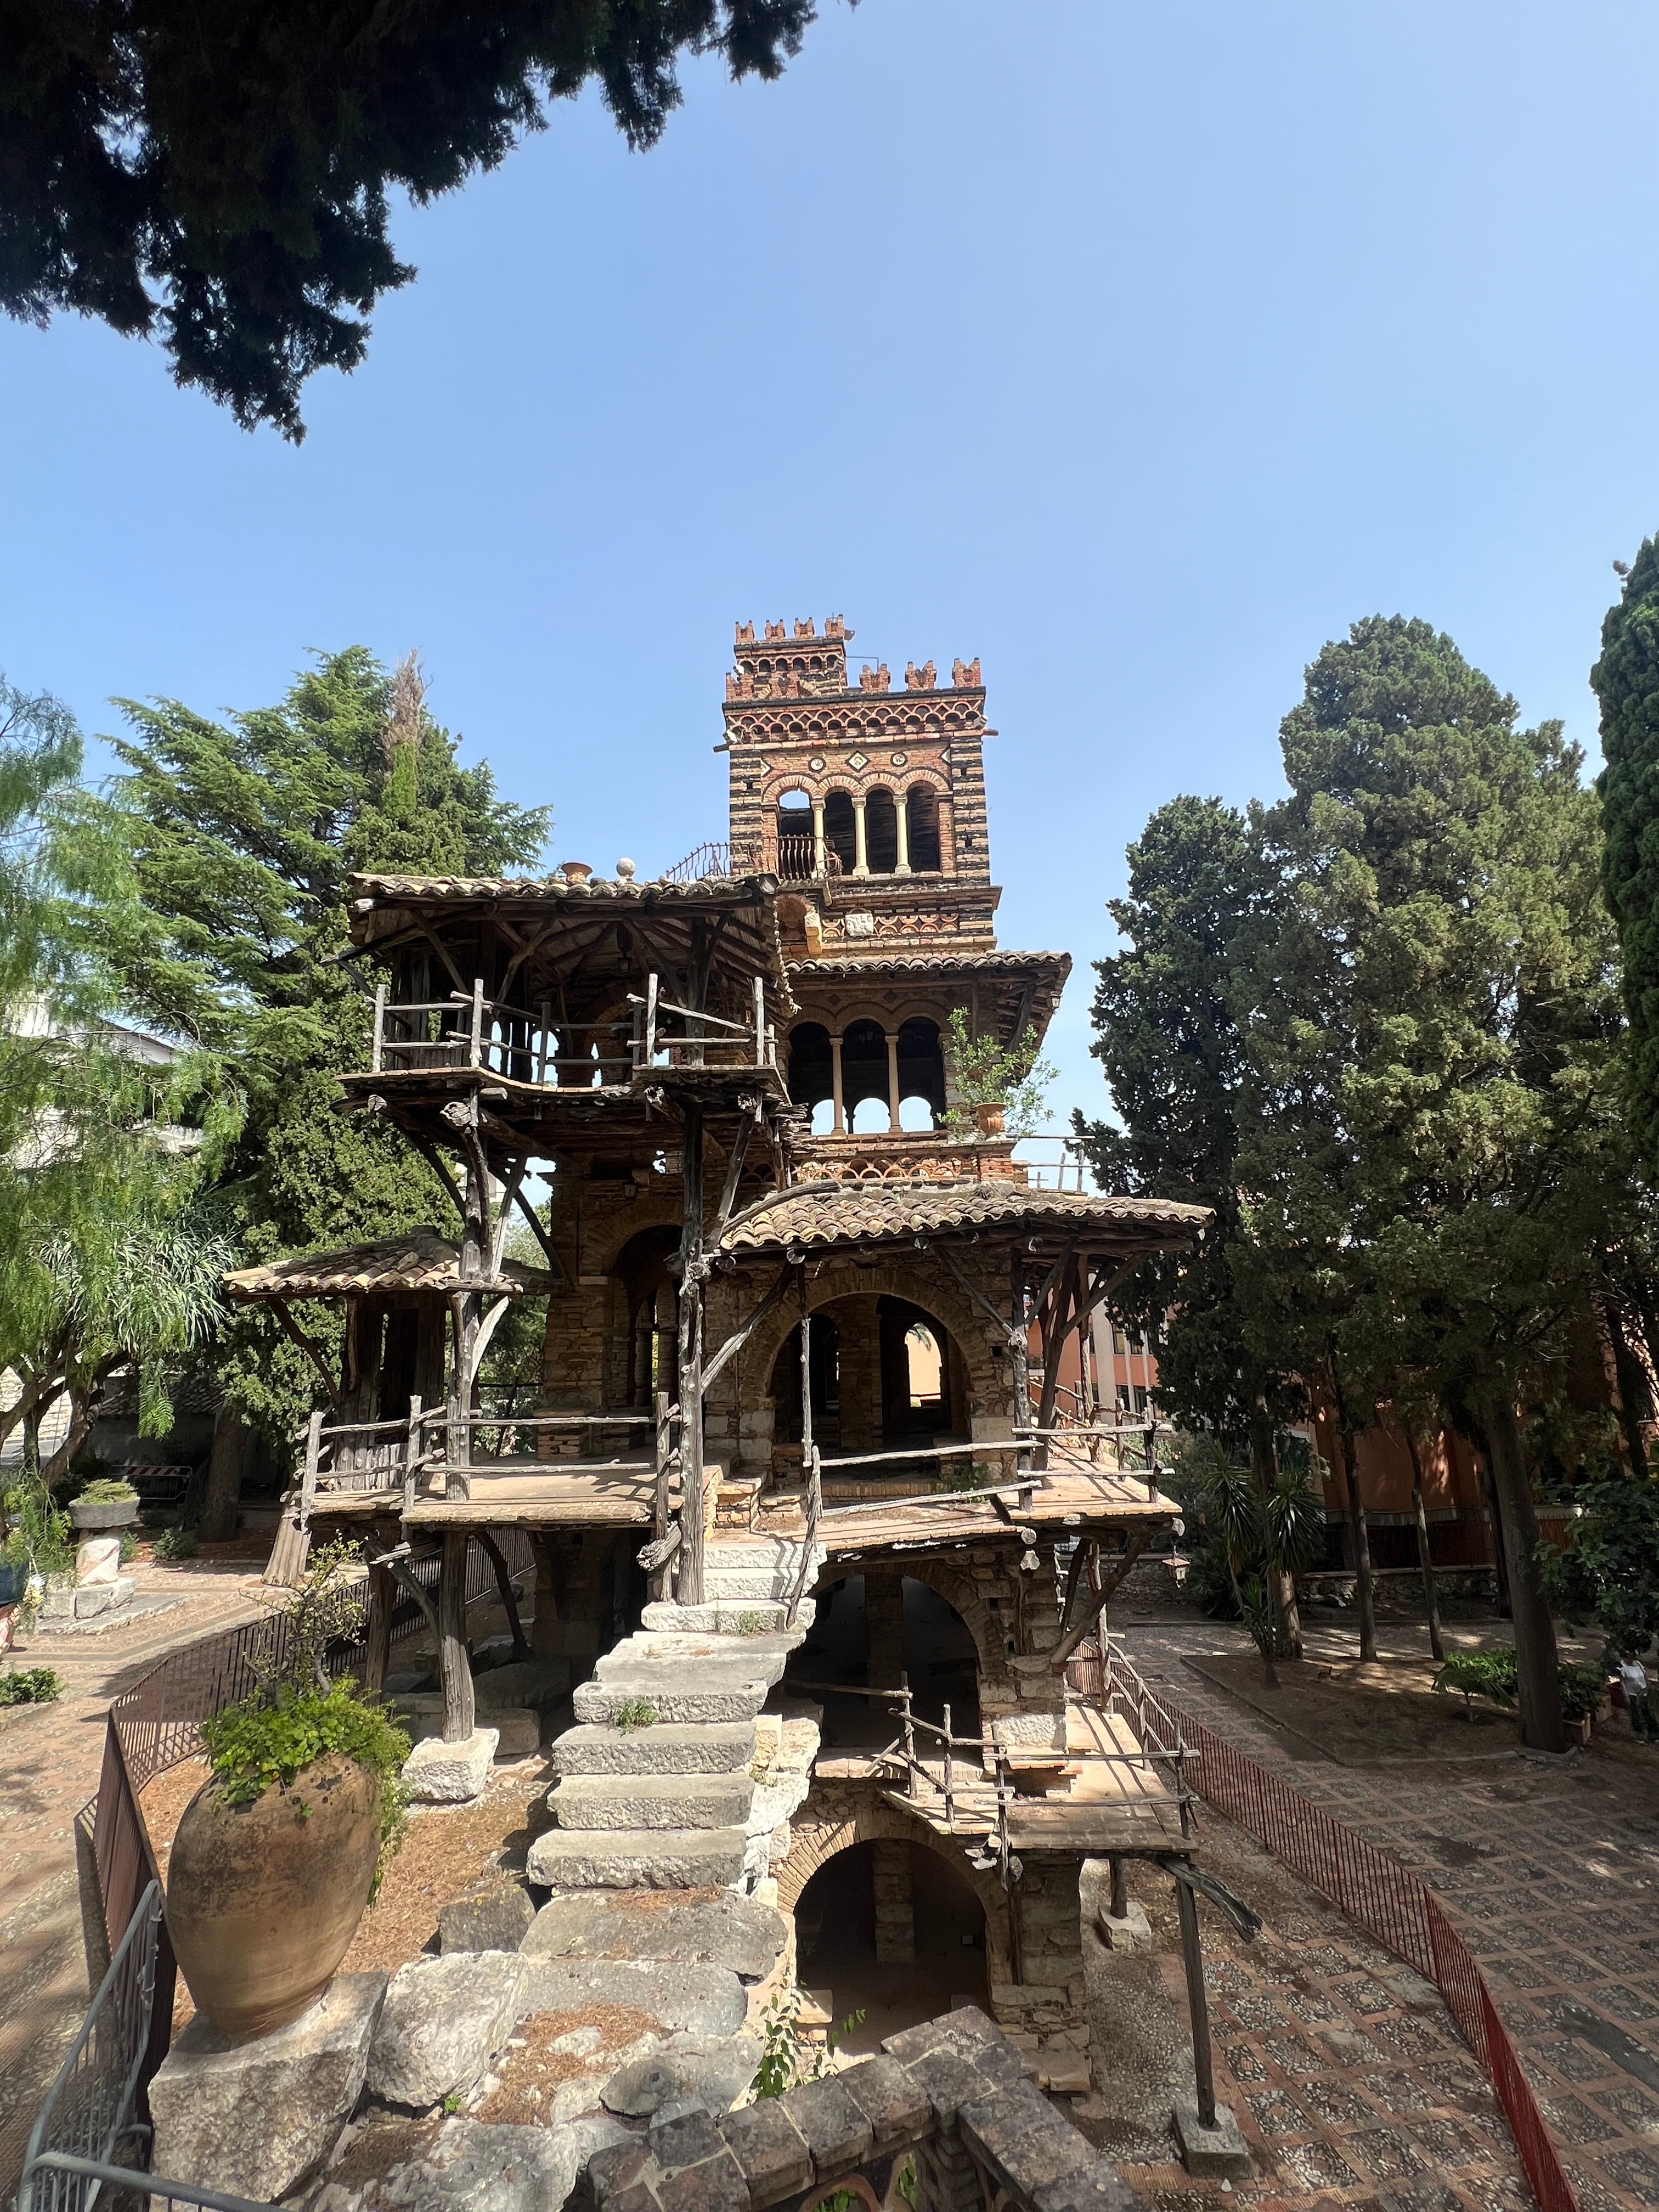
(50, 1757)
(1342, 2067)
(1551, 1875)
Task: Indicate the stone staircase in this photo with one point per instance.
(674, 1777)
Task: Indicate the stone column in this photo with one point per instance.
(835, 1080)
(895, 1919)
(860, 847)
(818, 861)
(892, 1081)
(901, 809)
(884, 1614)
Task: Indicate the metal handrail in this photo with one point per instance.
(121, 2180)
(94, 2095)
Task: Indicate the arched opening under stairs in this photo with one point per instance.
(892, 1929)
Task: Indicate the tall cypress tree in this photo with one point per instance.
(1627, 681)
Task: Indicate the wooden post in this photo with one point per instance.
(650, 1020)
(691, 1356)
(379, 1025)
(949, 1774)
(544, 1032)
(454, 1667)
(509, 1596)
(412, 1435)
(1017, 1360)
(1193, 1960)
(382, 1596)
(664, 1452)
(314, 1453)
(475, 1055)
(760, 1022)
(909, 1740)
(1119, 1888)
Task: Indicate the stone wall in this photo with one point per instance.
(952, 2095)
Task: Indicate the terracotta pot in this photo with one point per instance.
(575, 871)
(263, 1899)
(988, 1118)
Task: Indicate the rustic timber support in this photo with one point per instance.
(454, 1664)
(1097, 1602)
(382, 1596)
(508, 1595)
(690, 1580)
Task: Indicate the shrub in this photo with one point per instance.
(635, 1713)
(177, 1544)
(29, 1685)
(268, 1738)
(1583, 1689)
(107, 1490)
(1484, 1674)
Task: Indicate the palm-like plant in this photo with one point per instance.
(1281, 1533)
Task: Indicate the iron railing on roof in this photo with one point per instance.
(792, 856)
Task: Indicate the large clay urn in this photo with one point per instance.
(990, 1117)
(263, 1899)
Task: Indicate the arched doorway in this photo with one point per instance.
(920, 1074)
(881, 832)
(839, 833)
(893, 1928)
(643, 1361)
(872, 1628)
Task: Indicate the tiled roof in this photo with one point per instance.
(705, 890)
(820, 1214)
(419, 1260)
(933, 964)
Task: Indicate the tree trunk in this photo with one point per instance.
(1632, 1389)
(1499, 1547)
(1358, 1534)
(224, 1480)
(1281, 1587)
(1535, 1632)
(1430, 1595)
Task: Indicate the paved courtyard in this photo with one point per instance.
(1551, 1874)
(50, 1757)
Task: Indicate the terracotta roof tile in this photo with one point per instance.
(816, 1215)
(420, 1260)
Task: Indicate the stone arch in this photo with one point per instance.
(901, 1278)
(602, 1247)
(965, 1599)
(821, 1832)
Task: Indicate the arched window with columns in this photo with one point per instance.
(921, 823)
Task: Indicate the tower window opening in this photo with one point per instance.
(881, 832)
(921, 820)
(838, 833)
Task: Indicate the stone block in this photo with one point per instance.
(93, 1600)
(1097, 2187)
(616, 2169)
(715, 2185)
(473, 2167)
(1022, 2140)
(713, 2071)
(97, 1559)
(439, 1774)
(255, 2120)
(836, 2130)
(533, 1682)
(770, 2149)
(443, 2022)
(685, 2138)
(1218, 2153)
(637, 1858)
(896, 2105)
(669, 1747)
(494, 1915)
(736, 1933)
(680, 2000)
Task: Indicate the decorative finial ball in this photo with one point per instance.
(625, 870)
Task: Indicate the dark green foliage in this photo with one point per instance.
(29, 1685)
(1610, 1573)
(107, 1490)
(222, 175)
(262, 1743)
(1626, 680)
(1167, 1036)
(235, 841)
(174, 1544)
(1583, 1691)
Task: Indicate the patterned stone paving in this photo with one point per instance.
(1552, 1877)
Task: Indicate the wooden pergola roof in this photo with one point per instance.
(419, 1260)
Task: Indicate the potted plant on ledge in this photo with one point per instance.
(106, 1505)
(998, 1090)
(282, 1847)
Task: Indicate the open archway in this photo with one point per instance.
(891, 1929)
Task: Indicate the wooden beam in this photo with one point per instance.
(509, 1597)
(287, 1323)
(1092, 1613)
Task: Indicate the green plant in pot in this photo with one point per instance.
(103, 1504)
(998, 1090)
(282, 1847)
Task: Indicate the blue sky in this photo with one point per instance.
(1138, 350)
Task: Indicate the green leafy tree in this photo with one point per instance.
(236, 841)
(223, 176)
(1627, 681)
(1174, 1055)
(1435, 1038)
(986, 1073)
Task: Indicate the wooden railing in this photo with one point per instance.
(529, 1046)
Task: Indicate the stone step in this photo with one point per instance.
(719, 1617)
(673, 1747)
(727, 1585)
(653, 1800)
(637, 1858)
(758, 1659)
(670, 1694)
(776, 1551)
